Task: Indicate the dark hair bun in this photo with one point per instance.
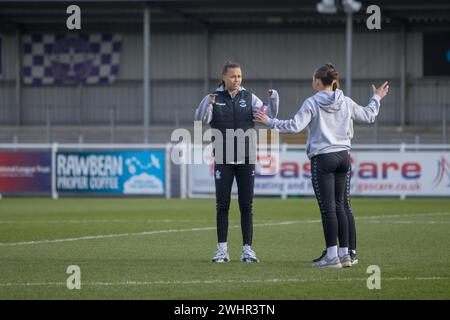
(327, 74)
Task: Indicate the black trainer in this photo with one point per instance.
(353, 257)
(324, 253)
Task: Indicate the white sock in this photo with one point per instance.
(343, 251)
(222, 246)
(353, 251)
(246, 246)
(332, 252)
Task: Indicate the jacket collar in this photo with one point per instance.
(221, 89)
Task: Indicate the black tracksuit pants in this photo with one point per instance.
(224, 175)
(329, 178)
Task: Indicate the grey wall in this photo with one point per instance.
(284, 60)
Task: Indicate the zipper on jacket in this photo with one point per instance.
(234, 125)
(234, 113)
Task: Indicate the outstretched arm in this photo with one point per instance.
(301, 119)
(273, 101)
(369, 113)
(204, 111)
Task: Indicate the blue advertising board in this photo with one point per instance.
(111, 172)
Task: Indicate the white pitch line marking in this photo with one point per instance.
(408, 222)
(215, 281)
(74, 221)
(145, 233)
(98, 221)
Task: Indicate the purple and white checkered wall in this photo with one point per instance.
(70, 59)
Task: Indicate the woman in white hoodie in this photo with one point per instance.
(328, 116)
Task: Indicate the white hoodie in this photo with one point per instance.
(328, 116)
(204, 111)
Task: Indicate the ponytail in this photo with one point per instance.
(328, 75)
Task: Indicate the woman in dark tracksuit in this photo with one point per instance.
(328, 115)
(232, 108)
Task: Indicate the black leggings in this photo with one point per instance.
(329, 175)
(245, 178)
(348, 211)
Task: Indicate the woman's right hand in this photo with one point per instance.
(272, 93)
(261, 117)
(212, 98)
(382, 90)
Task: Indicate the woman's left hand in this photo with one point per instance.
(261, 117)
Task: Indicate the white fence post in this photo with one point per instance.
(54, 190)
(183, 171)
(168, 171)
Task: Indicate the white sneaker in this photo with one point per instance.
(221, 256)
(248, 255)
(326, 262)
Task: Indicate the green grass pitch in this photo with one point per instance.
(161, 249)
